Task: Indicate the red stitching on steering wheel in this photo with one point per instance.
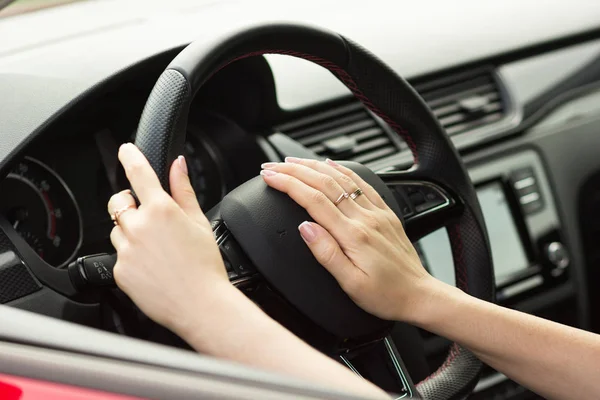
(454, 232)
(349, 82)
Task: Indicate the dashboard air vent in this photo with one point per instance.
(464, 102)
(348, 132)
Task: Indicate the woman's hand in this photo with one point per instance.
(167, 259)
(361, 242)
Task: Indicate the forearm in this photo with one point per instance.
(267, 345)
(554, 360)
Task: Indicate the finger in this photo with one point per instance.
(182, 190)
(328, 253)
(343, 180)
(118, 238)
(320, 208)
(317, 180)
(121, 201)
(367, 189)
(140, 174)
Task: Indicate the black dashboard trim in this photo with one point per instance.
(83, 99)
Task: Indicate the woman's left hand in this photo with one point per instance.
(358, 239)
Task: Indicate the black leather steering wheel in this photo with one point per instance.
(255, 216)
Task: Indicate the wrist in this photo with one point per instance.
(203, 307)
(435, 298)
(211, 319)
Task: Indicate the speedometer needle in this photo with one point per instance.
(16, 224)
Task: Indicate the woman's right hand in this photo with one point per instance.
(360, 242)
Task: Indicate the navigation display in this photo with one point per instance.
(507, 249)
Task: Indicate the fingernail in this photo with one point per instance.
(268, 165)
(182, 164)
(295, 160)
(332, 163)
(307, 231)
(267, 172)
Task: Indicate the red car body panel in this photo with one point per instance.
(18, 388)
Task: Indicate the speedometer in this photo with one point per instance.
(42, 209)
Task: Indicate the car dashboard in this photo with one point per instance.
(524, 120)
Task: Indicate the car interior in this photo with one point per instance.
(516, 91)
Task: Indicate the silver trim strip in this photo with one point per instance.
(522, 286)
(489, 381)
(69, 194)
(349, 365)
(399, 370)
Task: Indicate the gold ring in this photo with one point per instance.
(356, 193)
(115, 216)
(342, 197)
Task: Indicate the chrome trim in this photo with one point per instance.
(489, 381)
(392, 354)
(399, 370)
(523, 286)
(349, 365)
(70, 194)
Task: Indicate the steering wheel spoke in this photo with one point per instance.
(264, 222)
(380, 363)
(425, 205)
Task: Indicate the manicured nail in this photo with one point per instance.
(267, 172)
(268, 165)
(294, 160)
(332, 163)
(182, 164)
(307, 231)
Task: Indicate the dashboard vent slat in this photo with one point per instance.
(461, 102)
(466, 102)
(349, 132)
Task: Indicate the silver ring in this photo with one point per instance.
(356, 193)
(342, 197)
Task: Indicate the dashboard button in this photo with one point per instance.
(410, 189)
(232, 275)
(433, 198)
(405, 206)
(521, 174)
(239, 262)
(416, 198)
(214, 224)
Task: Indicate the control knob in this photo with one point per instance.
(558, 256)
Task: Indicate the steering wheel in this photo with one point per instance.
(251, 223)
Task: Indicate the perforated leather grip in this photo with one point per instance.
(161, 135)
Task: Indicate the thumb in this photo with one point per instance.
(329, 254)
(182, 190)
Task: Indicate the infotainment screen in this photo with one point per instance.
(507, 249)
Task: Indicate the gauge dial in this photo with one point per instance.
(42, 209)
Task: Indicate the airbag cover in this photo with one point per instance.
(265, 223)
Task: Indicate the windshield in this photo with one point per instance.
(24, 6)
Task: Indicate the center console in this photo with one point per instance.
(528, 251)
(523, 229)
